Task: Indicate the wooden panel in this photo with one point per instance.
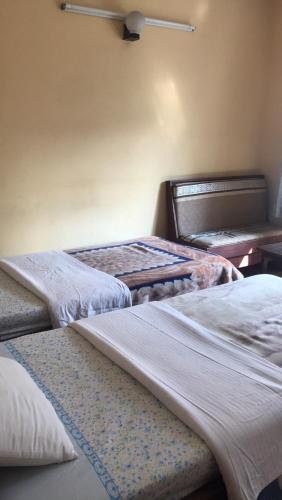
(244, 248)
(246, 260)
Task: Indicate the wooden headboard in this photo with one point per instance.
(215, 203)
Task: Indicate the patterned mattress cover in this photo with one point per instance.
(156, 269)
(152, 268)
(133, 445)
(20, 311)
(231, 236)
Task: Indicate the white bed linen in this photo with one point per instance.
(227, 394)
(248, 313)
(70, 289)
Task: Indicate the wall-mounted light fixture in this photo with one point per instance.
(133, 23)
(133, 26)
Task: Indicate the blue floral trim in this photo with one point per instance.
(79, 438)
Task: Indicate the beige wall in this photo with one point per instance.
(90, 126)
(271, 143)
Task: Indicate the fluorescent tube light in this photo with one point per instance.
(89, 11)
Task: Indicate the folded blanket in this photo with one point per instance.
(230, 396)
(70, 289)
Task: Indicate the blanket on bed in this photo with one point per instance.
(70, 289)
(225, 393)
(156, 269)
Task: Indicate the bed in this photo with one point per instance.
(152, 268)
(225, 215)
(129, 444)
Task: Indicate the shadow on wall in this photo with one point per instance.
(275, 187)
(160, 223)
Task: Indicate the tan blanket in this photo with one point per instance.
(227, 394)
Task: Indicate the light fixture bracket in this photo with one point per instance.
(130, 37)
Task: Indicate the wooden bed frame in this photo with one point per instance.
(215, 203)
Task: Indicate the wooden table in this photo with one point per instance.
(272, 252)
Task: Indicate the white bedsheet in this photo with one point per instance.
(248, 313)
(70, 289)
(228, 395)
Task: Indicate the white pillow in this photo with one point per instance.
(30, 430)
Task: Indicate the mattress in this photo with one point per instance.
(233, 236)
(130, 445)
(20, 311)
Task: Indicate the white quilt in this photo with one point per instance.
(70, 289)
(227, 394)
